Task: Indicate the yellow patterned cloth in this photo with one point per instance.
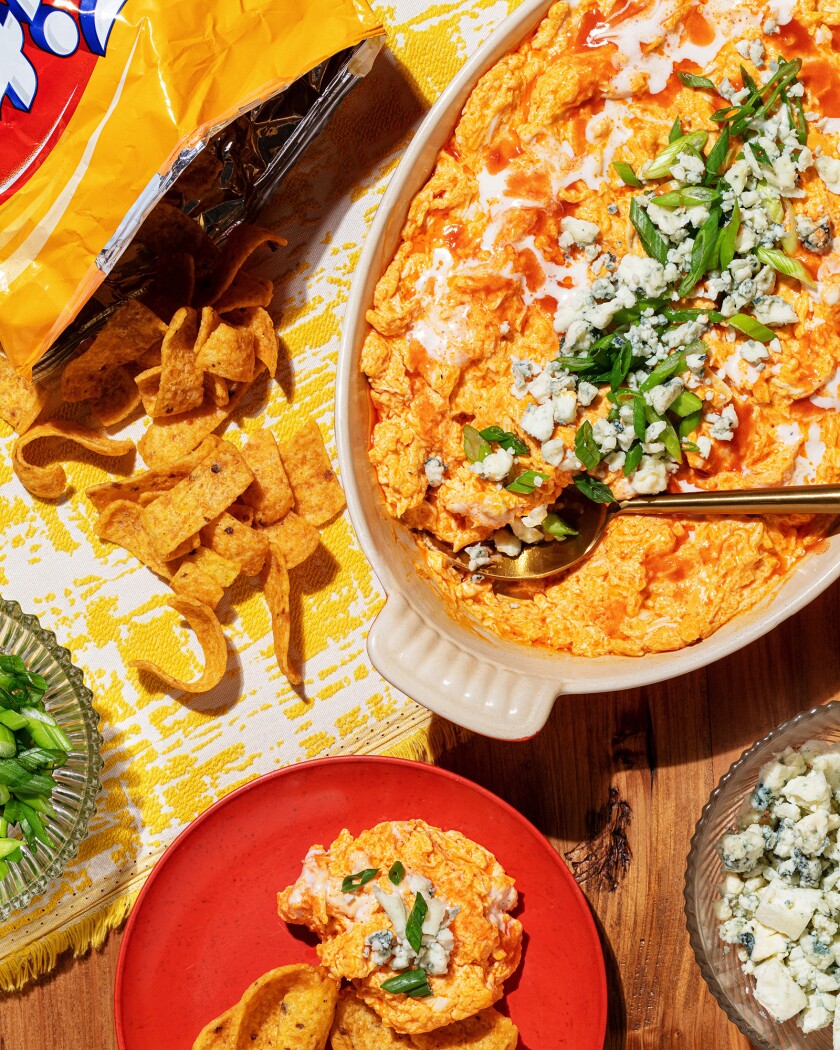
(167, 758)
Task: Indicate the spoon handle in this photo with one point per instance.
(806, 499)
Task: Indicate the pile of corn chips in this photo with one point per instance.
(204, 511)
(299, 1006)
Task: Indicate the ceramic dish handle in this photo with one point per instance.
(446, 676)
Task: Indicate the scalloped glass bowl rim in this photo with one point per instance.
(57, 859)
(773, 743)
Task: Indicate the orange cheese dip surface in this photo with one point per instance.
(608, 339)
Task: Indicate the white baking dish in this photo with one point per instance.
(495, 687)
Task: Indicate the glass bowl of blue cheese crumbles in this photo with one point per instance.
(762, 889)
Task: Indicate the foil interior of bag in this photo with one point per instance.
(225, 183)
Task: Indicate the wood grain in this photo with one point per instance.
(662, 750)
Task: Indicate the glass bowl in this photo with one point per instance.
(70, 703)
(722, 972)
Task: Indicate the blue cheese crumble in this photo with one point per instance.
(779, 902)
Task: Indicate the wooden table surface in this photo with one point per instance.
(658, 752)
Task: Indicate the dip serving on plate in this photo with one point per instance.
(620, 276)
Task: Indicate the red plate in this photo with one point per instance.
(206, 925)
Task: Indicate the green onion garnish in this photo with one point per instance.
(661, 165)
(754, 329)
(397, 873)
(586, 449)
(511, 442)
(526, 482)
(414, 923)
(785, 265)
(704, 252)
(476, 448)
(626, 174)
(692, 81)
(726, 248)
(633, 459)
(652, 240)
(412, 981)
(594, 489)
(553, 525)
(676, 131)
(351, 883)
(686, 196)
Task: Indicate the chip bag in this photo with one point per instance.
(103, 103)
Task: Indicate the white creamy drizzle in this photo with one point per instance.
(439, 335)
(782, 11)
(829, 125)
(829, 395)
(736, 370)
(729, 22)
(806, 463)
(557, 277)
(594, 167)
(788, 434)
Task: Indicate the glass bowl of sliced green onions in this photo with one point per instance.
(49, 758)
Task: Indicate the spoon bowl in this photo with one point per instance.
(541, 560)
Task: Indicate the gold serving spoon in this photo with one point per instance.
(540, 560)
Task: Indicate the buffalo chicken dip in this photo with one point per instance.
(621, 278)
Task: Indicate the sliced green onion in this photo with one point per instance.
(749, 326)
(553, 525)
(511, 442)
(633, 459)
(476, 448)
(13, 720)
(586, 449)
(661, 165)
(717, 154)
(671, 366)
(676, 131)
(685, 404)
(397, 872)
(626, 174)
(526, 482)
(692, 313)
(8, 743)
(652, 240)
(671, 441)
(423, 992)
(728, 237)
(594, 489)
(748, 81)
(688, 424)
(351, 883)
(692, 81)
(785, 265)
(687, 196)
(8, 846)
(414, 922)
(405, 982)
(703, 253)
(621, 366)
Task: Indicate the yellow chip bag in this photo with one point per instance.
(270, 493)
(196, 500)
(128, 333)
(294, 537)
(50, 481)
(208, 631)
(103, 104)
(275, 582)
(318, 495)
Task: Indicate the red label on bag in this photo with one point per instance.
(47, 56)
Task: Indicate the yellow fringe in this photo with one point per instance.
(425, 744)
(41, 956)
